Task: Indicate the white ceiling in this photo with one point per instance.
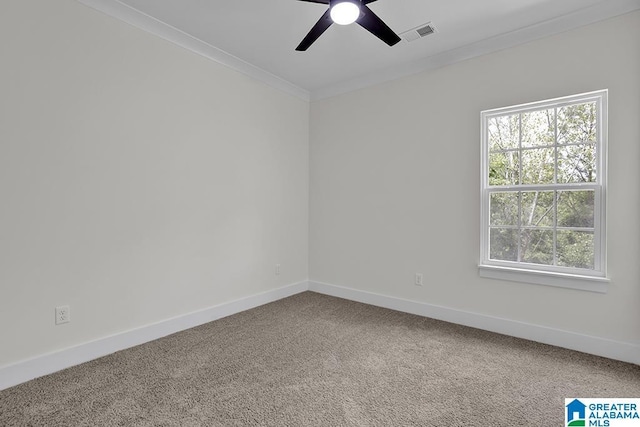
(259, 37)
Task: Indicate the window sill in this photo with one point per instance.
(570, 281)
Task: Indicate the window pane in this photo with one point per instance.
(543, 190)
(537, 246)
(537, 166)
(576, 208)
(538, 128)
(503, 244)
(577, 123)
(575, 249)
(537, 209)
(504, 132)
(577, 163)
(504, 208)
(503, 168)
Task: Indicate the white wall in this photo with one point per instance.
(138, 181)
(394, 181)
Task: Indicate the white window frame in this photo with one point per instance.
(590, 280)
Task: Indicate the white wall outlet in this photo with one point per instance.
(63, 314)
(418, 281)
(277, 269)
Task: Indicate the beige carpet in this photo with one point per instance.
(314, 360)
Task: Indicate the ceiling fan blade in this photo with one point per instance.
(320, 1)
(370, 21)
(364, 1)
(321, 26)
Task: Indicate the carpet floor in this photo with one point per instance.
(315, 360)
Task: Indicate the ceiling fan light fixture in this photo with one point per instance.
(345, 12)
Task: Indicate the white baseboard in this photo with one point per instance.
(29, 369)
(624, 351)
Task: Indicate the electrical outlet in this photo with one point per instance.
(418, 281)
(277, 269)
(63, 314)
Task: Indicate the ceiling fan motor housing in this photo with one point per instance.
(335, 2)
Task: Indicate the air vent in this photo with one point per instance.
(426, 30)
(418, 32)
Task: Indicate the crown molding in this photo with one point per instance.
(586, 16)
(580, 18)
(158, 28)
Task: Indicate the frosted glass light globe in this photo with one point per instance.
(345, 13)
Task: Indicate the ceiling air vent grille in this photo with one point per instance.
(418, 32)
(426, 30)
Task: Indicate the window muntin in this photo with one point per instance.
(543, 171)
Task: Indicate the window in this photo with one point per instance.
(543, 192)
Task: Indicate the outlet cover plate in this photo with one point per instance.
(63, 314)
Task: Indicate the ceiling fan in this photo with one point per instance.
(345, 12)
